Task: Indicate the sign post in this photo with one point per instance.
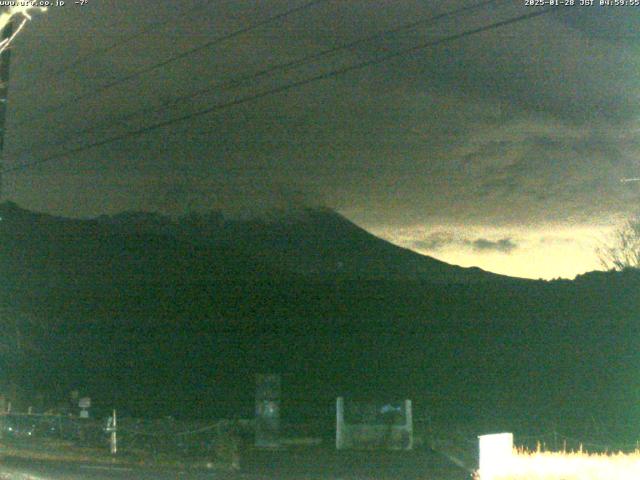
(268, 411)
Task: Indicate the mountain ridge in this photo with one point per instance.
(315, 241)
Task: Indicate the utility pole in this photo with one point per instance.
(5, 57)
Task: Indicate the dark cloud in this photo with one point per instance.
(442, 240)
(504, 245)
(604, 23)
(232, 199)
(491, 129)
(436, 241)
(554, 240)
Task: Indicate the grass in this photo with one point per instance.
(225, 456)
(580, 465)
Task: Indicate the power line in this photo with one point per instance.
(151, 27)
(235, 82)
(281, 88)
(138, 73)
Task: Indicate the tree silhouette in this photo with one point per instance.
(624, 251)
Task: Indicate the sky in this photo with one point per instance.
(503, 149)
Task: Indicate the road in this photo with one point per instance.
(310, 464)
(329, 464)
(12, 468)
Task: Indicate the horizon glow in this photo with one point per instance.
(545, 252)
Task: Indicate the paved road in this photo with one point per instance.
(329, 464)
(22, 469)
(308, 464)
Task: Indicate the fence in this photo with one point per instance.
(19, 427)
(219, 440)
(368, 425)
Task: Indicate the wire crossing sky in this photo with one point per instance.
(279, 89)
(103, 50)
(96, 90)
(237, 81)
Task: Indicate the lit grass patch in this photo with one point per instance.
(540, 465)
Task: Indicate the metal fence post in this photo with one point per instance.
(114, 434)
(340, 423)
(408, 412)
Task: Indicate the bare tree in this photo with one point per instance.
(624, 251)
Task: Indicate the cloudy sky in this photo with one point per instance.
(502, 149)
